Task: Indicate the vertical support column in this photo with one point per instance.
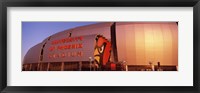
(41, 66)
(62, 66)
(90, 65)
(30, 67)
(48, 66)
(38, 67)
(126, 67)
(25, 66)
(80, 65)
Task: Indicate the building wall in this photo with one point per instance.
(140, 43)
(33, 54)
(95, 29)
(100, 28)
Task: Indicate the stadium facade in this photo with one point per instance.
(109, 46)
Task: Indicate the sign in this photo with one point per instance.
(68, 49)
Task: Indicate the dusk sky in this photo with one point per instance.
(35, 32)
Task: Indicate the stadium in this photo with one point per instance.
(108, 46)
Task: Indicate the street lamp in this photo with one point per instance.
(125, 63)
(90, 59)
(151, 65)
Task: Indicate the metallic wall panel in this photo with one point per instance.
(33, 54)
(139, 43)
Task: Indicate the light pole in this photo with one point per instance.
(90, 59)
(151, 65)
(125, 63)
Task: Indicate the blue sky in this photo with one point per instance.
(35, 32)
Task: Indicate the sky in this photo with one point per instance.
(35, 32)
